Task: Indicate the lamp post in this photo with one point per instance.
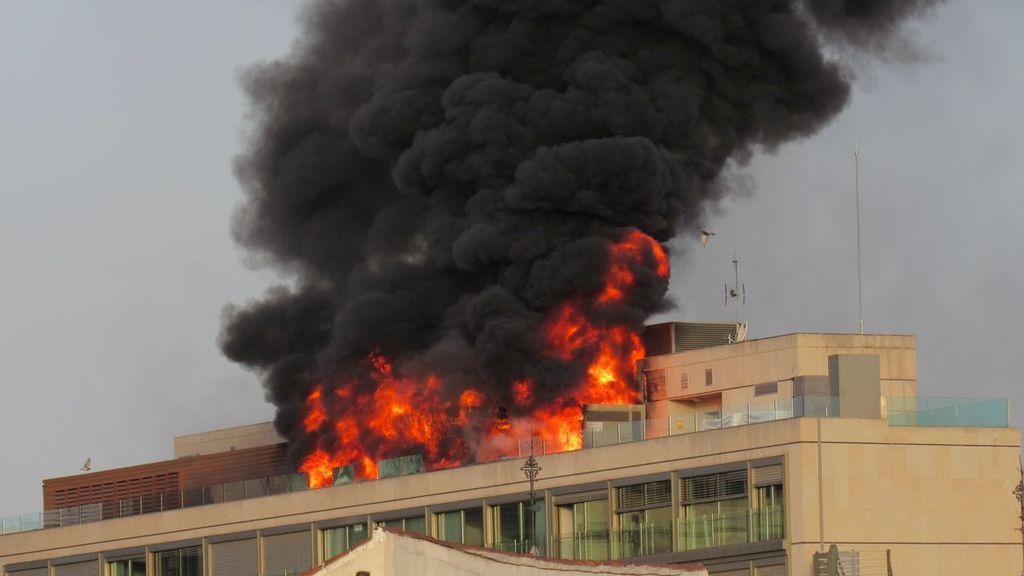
(1018, 491)
(531, 469)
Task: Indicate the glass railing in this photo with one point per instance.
(958, 412)
(600, 434)
(149, 503)
(592, 545)
(710, 530)
(21, 523)
(519, 546)
(642, 540)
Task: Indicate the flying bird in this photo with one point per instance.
(87, 466)
(705, 236)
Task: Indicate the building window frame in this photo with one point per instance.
(336, 540)
(643, 519)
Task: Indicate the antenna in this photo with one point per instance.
(856, 192)
(738, 293)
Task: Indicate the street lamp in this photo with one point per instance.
(531, 469)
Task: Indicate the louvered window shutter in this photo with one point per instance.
(234, 558)
(287, 553)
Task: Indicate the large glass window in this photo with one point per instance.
(461, 526)
(583, 530)
(343, 538)
(128, 567)
(644, 519)
(411, 524)
(768, 519)
(511, 527)
(715, 510)
(179, 562)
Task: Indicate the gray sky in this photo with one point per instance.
(119, 120)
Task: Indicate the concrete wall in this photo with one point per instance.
(937, 497)
(227, 439)
(739, 367)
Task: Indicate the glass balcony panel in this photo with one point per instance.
(762, 412)
(714, 524)
(767, 524)
(960, 412)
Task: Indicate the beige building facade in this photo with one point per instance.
(791, 445)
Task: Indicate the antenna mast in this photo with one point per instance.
(736, 287)
(738, 293)
(856, 192)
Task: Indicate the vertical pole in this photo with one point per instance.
(531, 469)
(1018, 491)
(821, 496)
(856, 191)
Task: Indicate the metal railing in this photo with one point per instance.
(852, 562)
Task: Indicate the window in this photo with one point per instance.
(461, 526)
(511, 527)
(655, 384)
(644, 519)
(583, 530)
(343, 538)
(287, 554)
(179, 562)
(128, 567)
(234, 557)
(766, 389)
(714, 510)
(411, 524)
(768, 506)
(709, 377)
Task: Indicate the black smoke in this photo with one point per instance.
(439, 175)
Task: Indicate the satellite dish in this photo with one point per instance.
(87, 466)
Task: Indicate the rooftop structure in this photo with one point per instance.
(751, 458)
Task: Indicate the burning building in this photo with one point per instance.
(751, 458)
(475, 198)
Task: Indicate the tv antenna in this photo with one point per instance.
(856, 193)
(738, 293)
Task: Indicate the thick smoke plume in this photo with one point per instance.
(441, 176)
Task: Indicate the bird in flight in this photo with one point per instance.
(705, 236)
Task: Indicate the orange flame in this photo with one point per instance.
(406, 415)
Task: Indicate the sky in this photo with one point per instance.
(119, 122)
